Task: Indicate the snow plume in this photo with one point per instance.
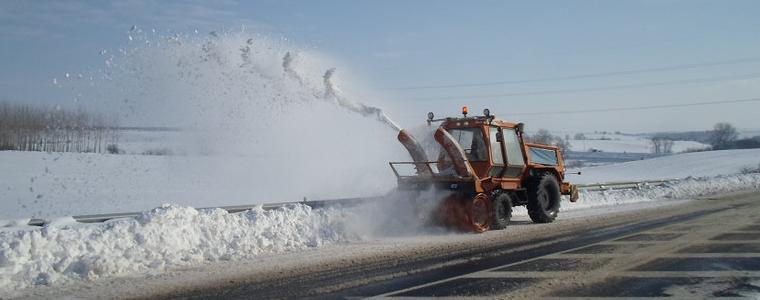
(332, 92)
(261, 102)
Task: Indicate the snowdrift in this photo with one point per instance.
(163, 237)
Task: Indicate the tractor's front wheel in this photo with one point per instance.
(479, 213)
(543, 198)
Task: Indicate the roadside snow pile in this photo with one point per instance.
(682, 189)
(163, 237)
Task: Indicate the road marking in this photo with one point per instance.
(522, 274)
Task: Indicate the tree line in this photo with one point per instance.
(25, 127)
(725, 136)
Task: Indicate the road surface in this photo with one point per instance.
(704, 248)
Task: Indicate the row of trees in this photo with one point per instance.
(725, 136)
(722, 136)
(35, 128)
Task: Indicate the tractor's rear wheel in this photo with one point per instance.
(479, 213)
(502, 211)
(543, 198)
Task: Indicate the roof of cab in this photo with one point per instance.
(477, 121)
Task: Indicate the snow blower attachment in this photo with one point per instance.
(488, 168)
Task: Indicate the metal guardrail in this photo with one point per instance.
(623, 185)
(99, 218)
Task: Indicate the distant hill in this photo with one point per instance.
(696, 136)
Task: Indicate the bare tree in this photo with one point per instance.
(543, 136)
(563, 144)
(723, 135)
(661, 145)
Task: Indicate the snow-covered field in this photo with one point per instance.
(696, 164)
(175, 236)
(620, 143)
(48, 185)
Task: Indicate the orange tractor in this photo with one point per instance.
(488, 168)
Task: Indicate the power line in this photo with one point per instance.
(630, 108)
(581, 76)
(592, 89)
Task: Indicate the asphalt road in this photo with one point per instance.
(709, 251)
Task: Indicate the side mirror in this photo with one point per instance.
(520, 128)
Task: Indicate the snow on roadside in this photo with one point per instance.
(172, 236)
(163, 237)
(689, 187)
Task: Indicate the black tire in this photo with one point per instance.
(543, 198)
(502, 211)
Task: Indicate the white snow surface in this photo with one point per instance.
(174, 236)
(50, 185)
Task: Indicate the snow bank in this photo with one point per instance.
(168, 236)
(682, 189)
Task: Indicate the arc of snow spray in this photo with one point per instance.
(332, 92)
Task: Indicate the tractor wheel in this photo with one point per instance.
(502, 211)
(479, 213)
(543, 198)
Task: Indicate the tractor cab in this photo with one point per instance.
(472, 148)
(491, 146)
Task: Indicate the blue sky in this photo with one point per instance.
(400, 44)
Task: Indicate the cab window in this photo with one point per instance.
(513, 147)
(496, 156)
(472, 142)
